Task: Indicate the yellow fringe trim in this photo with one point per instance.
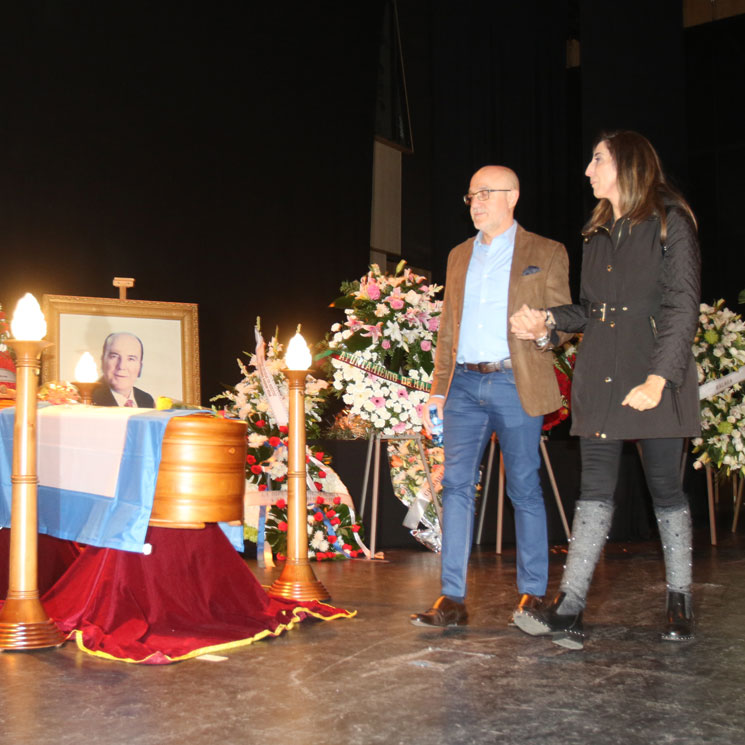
(78, 636)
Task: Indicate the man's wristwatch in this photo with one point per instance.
(543, 341)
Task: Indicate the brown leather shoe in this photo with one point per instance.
(445, 612)
(527, 602)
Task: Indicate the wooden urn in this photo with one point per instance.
(202, 473)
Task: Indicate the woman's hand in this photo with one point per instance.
(647, 395)
(528, 323)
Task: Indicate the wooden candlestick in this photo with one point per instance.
(297, 580)
(24, 624)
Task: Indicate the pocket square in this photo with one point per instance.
(531, 270)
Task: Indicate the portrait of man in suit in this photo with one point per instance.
(121, 365)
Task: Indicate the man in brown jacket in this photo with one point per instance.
(486, 380)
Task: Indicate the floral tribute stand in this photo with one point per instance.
(381, 358)
(719, 349)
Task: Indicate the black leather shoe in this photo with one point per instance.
(527, 602)
(445, 612)
(566, 629)
(679, 622)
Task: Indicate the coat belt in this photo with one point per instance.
(603, 311)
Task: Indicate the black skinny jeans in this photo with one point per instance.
(601, 460)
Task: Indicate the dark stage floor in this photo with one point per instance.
(378, 679)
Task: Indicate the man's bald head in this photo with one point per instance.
(494, 192)
(501, 174)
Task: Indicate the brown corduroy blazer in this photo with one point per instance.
(545, 284)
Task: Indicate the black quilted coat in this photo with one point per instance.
(639, 307)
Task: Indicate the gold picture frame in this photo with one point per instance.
(169, 333)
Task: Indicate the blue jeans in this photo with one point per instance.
(477, 405)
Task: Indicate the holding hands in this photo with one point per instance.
(528, 323)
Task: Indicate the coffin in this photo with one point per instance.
(202, 472)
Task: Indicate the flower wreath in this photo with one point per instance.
(382, 356)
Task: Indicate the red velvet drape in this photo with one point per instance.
(192, 595)
(55, 556)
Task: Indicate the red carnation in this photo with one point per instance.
(322, 474)
(280, 479)
(336, 521)
(259, 423)
(281, 504)
(355, 528)
(337, 500)
(274, 442)
(330, 513)
(318, 485)
(262, 487)
(318, 517)
(319, 500)
(319, 454)
(257, 470)
(346, 547)
(332, 539)
(282, 526)
(283, 429)
(250, 459)
(281, 557)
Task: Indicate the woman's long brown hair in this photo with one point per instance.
(642, 185)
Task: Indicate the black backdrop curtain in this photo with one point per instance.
(499, 96)
(218, 154)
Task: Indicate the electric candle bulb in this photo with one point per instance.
(86, 370)
(298, 355)
(28, 322)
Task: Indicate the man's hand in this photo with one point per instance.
(528, 323)
(647, 395)
(437, 401)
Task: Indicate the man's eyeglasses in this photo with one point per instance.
(482, 195)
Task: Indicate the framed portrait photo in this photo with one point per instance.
(168, 334)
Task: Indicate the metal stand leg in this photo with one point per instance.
(554, 487)
(485, 493)
(367, 474)
(712, 513)
(738, 502)
(376, 492)
(500, 503)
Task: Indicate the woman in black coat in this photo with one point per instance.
(635, 376)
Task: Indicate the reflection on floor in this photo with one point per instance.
(378, 679)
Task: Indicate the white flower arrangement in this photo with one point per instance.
(719, 349)
(382, 356)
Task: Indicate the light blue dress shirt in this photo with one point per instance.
(483, 328)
